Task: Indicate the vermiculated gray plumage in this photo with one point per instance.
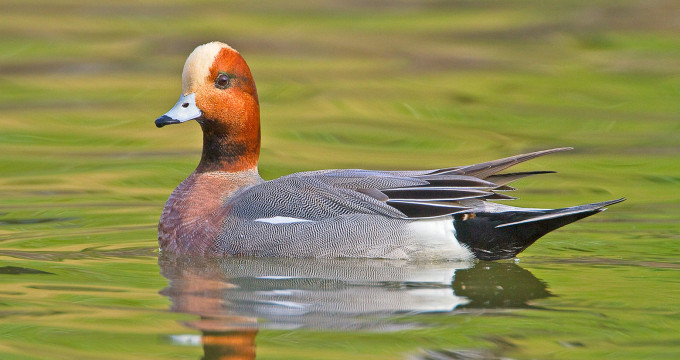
(363, 213)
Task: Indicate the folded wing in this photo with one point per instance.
(316, 195)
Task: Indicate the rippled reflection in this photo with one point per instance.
(234, 297)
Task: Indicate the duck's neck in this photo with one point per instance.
(229, 150)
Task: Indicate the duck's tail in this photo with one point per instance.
(502, 235)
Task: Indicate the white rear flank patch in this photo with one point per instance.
(436, 239)
(281, 220)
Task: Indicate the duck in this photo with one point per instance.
(225, 209)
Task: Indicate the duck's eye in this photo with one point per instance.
(222, 81)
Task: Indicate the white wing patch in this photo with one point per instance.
(281, 220)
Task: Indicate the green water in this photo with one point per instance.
(380, 85)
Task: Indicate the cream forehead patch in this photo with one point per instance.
(198, 64)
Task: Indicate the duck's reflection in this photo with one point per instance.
(490, 285)
(234, 297)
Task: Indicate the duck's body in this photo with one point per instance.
(224, 208)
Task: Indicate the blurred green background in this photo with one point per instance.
(84, 173)
(377, 84)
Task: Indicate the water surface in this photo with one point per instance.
(84, 175)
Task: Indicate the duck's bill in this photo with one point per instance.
(184, 110)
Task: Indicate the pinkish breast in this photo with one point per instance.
(193, 215)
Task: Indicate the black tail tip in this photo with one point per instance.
(610, 202)
(503, 235)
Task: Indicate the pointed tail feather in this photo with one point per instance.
(486, 169)
(502, 235)
(559, 213)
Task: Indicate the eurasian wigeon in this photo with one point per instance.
(224, 208)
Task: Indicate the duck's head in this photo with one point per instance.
(218, 92)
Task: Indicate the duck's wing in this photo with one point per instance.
(317, 195)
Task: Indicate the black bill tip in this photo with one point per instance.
(165, 120)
